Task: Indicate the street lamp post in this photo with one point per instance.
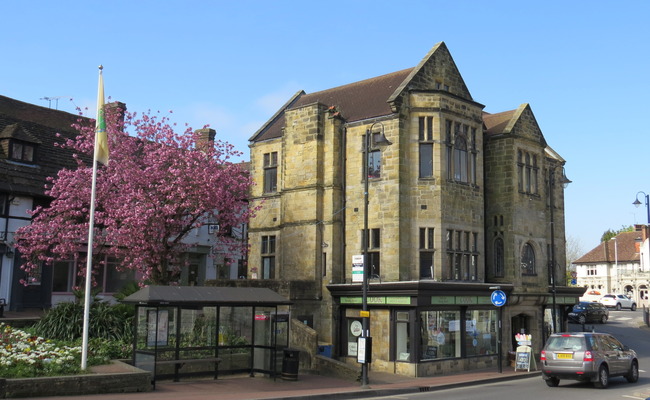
(365, 317)
(565, 182)
(647, 205)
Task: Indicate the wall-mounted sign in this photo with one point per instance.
(357, 268)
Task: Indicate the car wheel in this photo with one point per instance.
(633, 375)
(603, 378)
(618, 306)
(552, 382)
(582, 319)
(603, 319)
(633, 308)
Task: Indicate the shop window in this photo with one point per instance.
(440, 335)
(402, 337)
(480, 332)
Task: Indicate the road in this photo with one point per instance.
(622, 324)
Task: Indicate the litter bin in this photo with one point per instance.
(290, 363)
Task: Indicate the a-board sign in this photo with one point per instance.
(524, 358)
(523, 361)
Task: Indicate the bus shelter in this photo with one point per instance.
(182, 331)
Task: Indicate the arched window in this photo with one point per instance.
(498, 257)
(528, 260)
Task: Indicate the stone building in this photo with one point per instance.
(460, 203)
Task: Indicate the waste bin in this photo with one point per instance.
(290, 363)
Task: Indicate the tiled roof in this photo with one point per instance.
(356, 101)
(40, 125)
(624, 248)
(496, 123)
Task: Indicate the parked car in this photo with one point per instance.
(589, 311)
(587, 356)
(618, 301)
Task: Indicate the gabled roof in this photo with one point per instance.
(16, 131)
(498, 123)
(378, 96)
(520, 122)
(205, 296)
(625, 248)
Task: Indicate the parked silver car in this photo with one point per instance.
(587, 356)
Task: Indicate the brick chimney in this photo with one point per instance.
(116, 107)
(205, 137)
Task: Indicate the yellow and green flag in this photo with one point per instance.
(101, 138)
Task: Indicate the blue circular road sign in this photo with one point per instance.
(498, 298)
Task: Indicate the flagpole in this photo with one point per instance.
(91, 227)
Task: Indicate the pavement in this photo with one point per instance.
(310, 387)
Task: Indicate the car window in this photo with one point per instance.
(614, 343)
(593, 343)
(558, 343)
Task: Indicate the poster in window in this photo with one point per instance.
(157, 327)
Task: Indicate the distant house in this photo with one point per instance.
(615, 266)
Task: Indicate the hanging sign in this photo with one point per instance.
(357, 268)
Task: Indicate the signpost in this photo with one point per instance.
(499, 299)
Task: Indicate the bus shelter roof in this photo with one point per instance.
(205, 296)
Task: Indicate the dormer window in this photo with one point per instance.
(17, 144)
(21, 151)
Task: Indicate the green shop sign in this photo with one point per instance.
(460, 300)
(401, 300)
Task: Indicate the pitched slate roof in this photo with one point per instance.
(355, 101)
(205, 296)
(38, 125)
(625, 248)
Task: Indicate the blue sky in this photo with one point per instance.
(582, 66)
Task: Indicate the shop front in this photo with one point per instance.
(431, 328)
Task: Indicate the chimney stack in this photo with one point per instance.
(205, 137)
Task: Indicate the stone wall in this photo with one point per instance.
(134, 380)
